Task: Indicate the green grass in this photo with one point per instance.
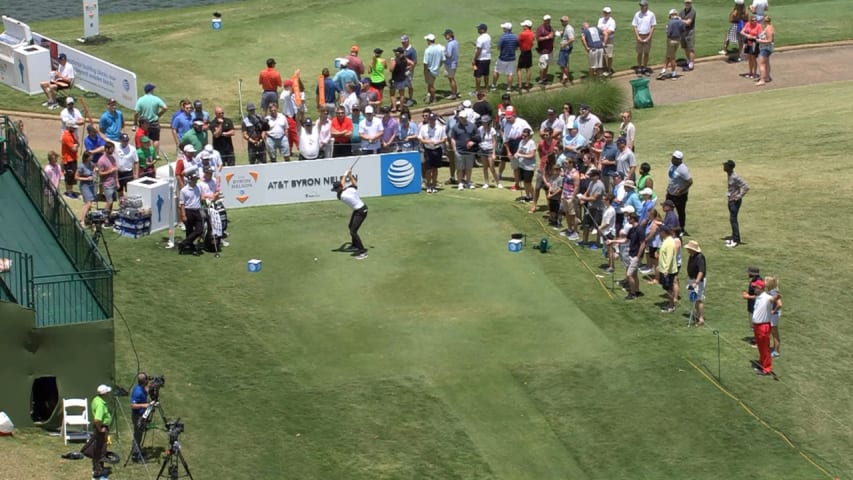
(194, 61)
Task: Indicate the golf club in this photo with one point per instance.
(240, 94)
(355, 162)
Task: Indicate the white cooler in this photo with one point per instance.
(155, 195)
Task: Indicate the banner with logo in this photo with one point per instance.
(93, 74)
(312, 180)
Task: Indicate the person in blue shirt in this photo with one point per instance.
(94, 143)
(507, 45)
(182, 121)
(112, 121)
(451, 61)
(138, 404)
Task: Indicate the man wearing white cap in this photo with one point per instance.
(544, 46)
(433, 58)
(507, 45)
(70, 114)
(101, 420)
(607, 25)
(680, 182)
(644, 23)
(525, 53)
(370, 129)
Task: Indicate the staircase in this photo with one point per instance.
(57, 269)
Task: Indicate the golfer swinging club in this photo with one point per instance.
(347, 191)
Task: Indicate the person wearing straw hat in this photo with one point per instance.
(696, 279)
(101, 419)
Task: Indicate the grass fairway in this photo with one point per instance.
(177, 49)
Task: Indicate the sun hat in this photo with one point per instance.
(104, 389)
(647, 191)
(678, 153)
(693, 245)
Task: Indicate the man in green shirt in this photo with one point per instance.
(101, 419)
(196, 136)
(150, 107)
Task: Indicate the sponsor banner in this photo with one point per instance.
(93, 74)
(312, 180)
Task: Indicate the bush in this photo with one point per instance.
(605, 99)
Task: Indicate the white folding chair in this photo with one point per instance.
(75, 413)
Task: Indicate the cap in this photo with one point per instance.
(145, 139)
(647, 191)
(665, 229)
(62, 56)
(738, 2)
(678, 154)
(288, 83)
(466, 104)
(104, 389)
(70, 124)
(343, 62)
(729, 163)
(752, 270)
(546, 18)
(355, 107)
(526, 23)
(486, 119)
(628, 209)
(250, 106)
(307, 122)
(378, 51)
(270, 62)
(448, 32)
(208, 169)
(111, 101)
(622, 140)
(482, 26)
(368, 109)
(385, 109)
(191, 172)
(593, 171)
(688, 1)
(404, 38)
(644, 2)
(124, 138)
(208, 148)
(69, 100)
(189, 148)
(758, 284)
(506, 26)
(669, 203)
(607, 10)
(365, 80)
(629, 184)
(197, 104)
(672, 12)
(200, 123)
(693, 245)
(149, 87)
(510, 111)
(584, 107)
(403, 116)
(353, 48)
(429, 37)
(204, 155)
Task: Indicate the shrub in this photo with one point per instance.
(605, 99)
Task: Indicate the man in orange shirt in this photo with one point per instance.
(525, 56)
(70, 148)
(270, 81)
(341, 130)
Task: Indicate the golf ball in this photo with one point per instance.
(315, 259)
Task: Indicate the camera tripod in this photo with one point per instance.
(173, 455)
(97, 237)
(143, 423)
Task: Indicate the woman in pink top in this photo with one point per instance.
(750, 33)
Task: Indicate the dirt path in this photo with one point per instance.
(712, 77)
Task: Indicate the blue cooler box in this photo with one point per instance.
(514, 245)
(254, 265)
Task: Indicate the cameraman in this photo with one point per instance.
(138, 404)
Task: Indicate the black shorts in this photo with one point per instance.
(123, 178)
(751, 49)
(482, 69)
(154, 131)
(432, 158)
(667, 280)
(379, 86)
(525, 59)
(526, 176)
(70, 169)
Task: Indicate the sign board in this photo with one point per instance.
(312, 180)
(93, 74)
(91, 22)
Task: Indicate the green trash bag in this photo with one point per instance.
(642, 94)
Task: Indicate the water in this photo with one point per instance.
(31, 11)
